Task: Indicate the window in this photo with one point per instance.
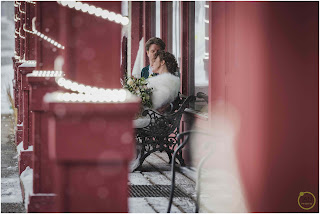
(176, 30)
(158, 19)
(201, 59)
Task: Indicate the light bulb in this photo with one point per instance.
(111, 16)
(64, 3)
(118, 18)
(78, 5)
(92, 9)
(105, 14)
(85, 8)
(71, 4)
(98, 11)
(125, 21)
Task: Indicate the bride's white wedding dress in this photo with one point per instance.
(165, 90)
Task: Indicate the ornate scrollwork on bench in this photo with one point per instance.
(160, 134)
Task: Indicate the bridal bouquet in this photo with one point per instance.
(139, 87)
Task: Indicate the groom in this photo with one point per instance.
(152, 46)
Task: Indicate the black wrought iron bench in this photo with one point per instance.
(160, 134)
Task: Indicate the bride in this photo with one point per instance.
(165, 85)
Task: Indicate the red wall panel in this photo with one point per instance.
(265, 64)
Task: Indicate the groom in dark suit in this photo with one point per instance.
(152, 46)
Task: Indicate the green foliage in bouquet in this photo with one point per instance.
(139, 88)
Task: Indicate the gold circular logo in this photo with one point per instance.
(306, 200)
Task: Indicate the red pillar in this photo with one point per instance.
(136, 29)
(164, 21)
(146, 27)
(17, 78)
(22, 10)
(47, 23)
(30, 44)
(42, 199)
(94, 62)
(91, 144)
(270, 75)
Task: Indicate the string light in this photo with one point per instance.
(26, 30)
(110, 96)
(206, 6)
(48, 39)
(206, 21)
(206, 55)
(97, 11)
(31, 2)
(44, 37)
(206, 38)
(28, 61)
(21, 11)
(42, 73)
(21, 35)
(85, 93)
(18, 18)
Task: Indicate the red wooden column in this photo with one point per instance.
(30, 44)
(91, 143)
(21, 9)
(136, 29)
(270, 75)
(47, 23)
(89, 61)
(164, 21)
(186, 47)
(25, 158)
(28, 66)
(146, 27)
(30, 56)
(16, 82)
(42, 199)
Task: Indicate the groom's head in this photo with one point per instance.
(152, 46)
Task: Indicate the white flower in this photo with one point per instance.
(130, 82)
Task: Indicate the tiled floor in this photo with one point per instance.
(156, 171)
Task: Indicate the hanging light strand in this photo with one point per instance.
(85, 93)
(28, 61)
(42, 36)
(96, 11)
(48, 39)
(17, 32)
(23, 37)
(21, 11)
(41, 73)
(110, 96)
(31, 2)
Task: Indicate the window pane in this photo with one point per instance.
(158, 19)
(176, 30)
(201, 79)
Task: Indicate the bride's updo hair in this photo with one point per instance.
(169, 60)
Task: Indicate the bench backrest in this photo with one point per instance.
(162, 125)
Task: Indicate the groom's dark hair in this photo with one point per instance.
(169, 59)
(156, 41)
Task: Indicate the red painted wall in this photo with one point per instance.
(265, 64)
